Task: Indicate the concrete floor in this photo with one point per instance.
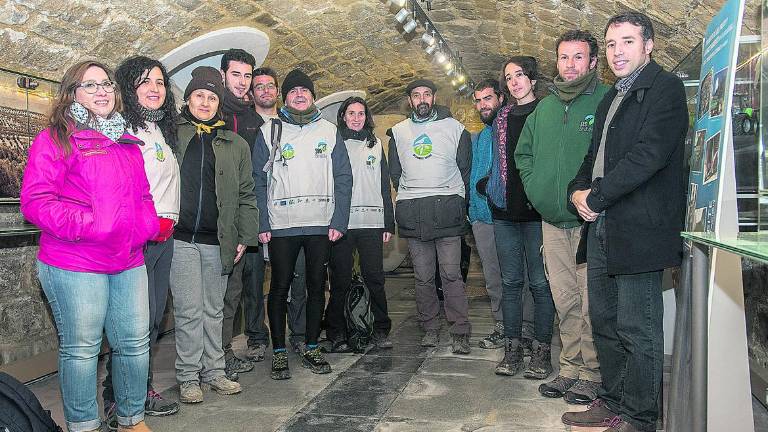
(405, 389)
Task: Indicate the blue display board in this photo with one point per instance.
(712, 125)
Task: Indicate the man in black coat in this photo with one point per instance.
(631, 190)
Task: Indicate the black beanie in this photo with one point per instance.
(297, 78)
(205, 77)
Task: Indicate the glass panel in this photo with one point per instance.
(762, 156)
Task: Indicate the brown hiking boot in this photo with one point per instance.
(619, 425)
(596, 415)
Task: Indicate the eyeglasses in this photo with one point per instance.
(92, 87)
(264, 87)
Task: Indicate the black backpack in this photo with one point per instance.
(357, 312)
(20, 411)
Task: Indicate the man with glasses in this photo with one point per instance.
(265, 88)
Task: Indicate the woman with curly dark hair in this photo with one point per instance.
(150, 113)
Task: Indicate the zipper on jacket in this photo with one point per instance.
(565, 115)
(200, 191)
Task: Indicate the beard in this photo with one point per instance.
(268, 104)
(490, 116)
(423, 110)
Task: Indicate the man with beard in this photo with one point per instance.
(430, 154)
(550, 149)
(488, 100)
(265, 89)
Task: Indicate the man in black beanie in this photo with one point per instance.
(298, 210)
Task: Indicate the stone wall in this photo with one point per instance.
(26, 326)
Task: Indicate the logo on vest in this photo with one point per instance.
(370, 161)
(422, 147)
(587, 124)
(321, 149)
(159, 153)
(287, 152)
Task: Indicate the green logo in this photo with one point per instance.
(320, 148)
(587, 124)
(422, 147)
(287, 152)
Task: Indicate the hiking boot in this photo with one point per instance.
(557, 387)
(138, 427)
(527, 344)
(596, 415)
(155, 405)
(299, 347)
(314, 360)
(110, 415)
(381, 341)
(280, 370)
(224, 386)
(190, 392)
(256, 352)
(540, 365)
(513, 359)
(582, 392)
(460, 344)
(236, 364)
(340, 347)
(431, 338)
(494, 340)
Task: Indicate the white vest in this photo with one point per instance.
(427, 153)
(367, 210)
(300, 177)
(162, 171)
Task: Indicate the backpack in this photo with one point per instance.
(357, 312)
(20, 411)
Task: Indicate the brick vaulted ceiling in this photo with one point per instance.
(342, 44)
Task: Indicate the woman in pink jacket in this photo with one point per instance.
(86, 189)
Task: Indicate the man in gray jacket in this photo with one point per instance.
(430, 156)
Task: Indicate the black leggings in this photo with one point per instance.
(282, 254)
(368, 243)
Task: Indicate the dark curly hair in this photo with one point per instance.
(367, 126)
(129, 75)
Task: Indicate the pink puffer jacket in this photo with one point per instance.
(93, 207)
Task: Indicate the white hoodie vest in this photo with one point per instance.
(300, 181)
(367, 210)
(427, 153)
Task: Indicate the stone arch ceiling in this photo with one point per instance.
(342, 44)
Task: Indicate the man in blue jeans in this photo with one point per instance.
(630, 190)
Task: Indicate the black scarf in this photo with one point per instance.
(207, 126)
(233, 105)
(361, 135)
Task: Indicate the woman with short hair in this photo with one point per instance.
(217, 221)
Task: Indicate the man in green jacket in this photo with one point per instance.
(550, 150)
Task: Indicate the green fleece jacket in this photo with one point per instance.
(551, 148)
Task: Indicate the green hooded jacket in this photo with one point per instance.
(551, 148)
(238, 221)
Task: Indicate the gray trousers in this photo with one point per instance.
(447, 252)
(198, 302)
(486, 249)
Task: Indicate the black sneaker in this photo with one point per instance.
(110, 415)
(460, 344)
(155, 405)
(494, 340)
(280, 370)
(256, 352)
(540, 365)
(314, 360)
(340, 347)
(557, 387)
(381, 341)
(512, 361)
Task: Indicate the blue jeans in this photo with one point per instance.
(627, 314)
(518, 245)
(84, 305)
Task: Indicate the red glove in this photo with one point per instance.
(166, 230)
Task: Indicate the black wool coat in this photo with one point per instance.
(643, 191)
